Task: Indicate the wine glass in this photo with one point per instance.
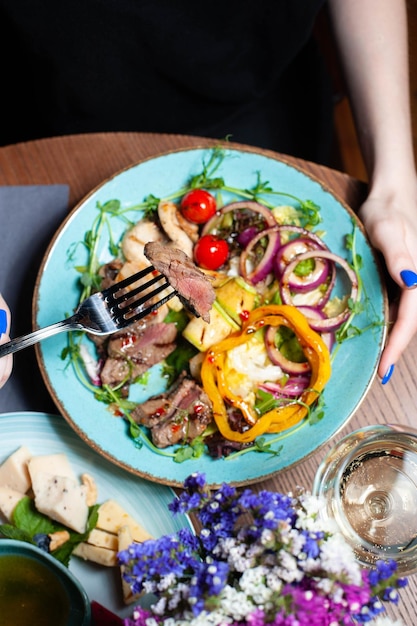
(369, 484)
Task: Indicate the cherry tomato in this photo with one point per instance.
(198, 206)
(211, 252)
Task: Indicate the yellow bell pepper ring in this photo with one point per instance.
(279, 418)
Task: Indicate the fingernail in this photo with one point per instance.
(388, 374)
(3, 321)
(409, 278)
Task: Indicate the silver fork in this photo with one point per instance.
(104, 312)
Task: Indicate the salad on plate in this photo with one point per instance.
(251, 360)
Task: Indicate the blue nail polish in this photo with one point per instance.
(409, 278)
(3, 321)
(388, 374)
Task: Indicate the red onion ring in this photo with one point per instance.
(315, 313)
(246, 235)
(290, 249)
(261, 271)
(329, 323)
(294, 248)
(303, 233)
(277, 358)
(293, 388)
(251, 205)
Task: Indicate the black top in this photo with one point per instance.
(245, 68)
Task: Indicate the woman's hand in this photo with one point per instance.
(6, 361)
(391, 223)
(373, 42)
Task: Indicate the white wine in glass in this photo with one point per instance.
(369, 483)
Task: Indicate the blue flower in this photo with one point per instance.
(208, 582)
(311, 545)
(273, 533)
(195, 482)
(383, 570)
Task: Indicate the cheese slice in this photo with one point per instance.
(96, 554)
(8, 501)
(125, 539)
(53, 464)
(111, 517)
(62, 499)
(103, 539)
(14, 471)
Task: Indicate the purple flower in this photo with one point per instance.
(293, 573)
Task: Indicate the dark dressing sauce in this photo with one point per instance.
(30, 594)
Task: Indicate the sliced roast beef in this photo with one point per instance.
(179, 415)
(194, 288)
(135, 341)
(134, 350)
(116, 370)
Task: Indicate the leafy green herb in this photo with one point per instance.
(150, 206)
(179, 318)
(11, 532)
(178, 361)
(265, 402)
(316, 413)
(29, 522)
(262, 445)
(193, 450)
(206, 179)
(304, 268)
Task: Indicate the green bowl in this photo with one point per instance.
(35, 588)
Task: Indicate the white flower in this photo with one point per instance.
(309, 519)
(337, 558)
(166, 582)
(160, 606)
(384, 620)
(235, 553)
(235, 603)
(273, 579)
(252, 582)
(297, 541)
(288, 569)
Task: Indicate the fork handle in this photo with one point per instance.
(18, 343)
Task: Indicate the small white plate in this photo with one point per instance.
(147, 502)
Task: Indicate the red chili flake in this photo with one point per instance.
(155, 312)
(175, 427)
(198, 408)
(210, 357)
(159, 411)
(244, 315)
(129, 340)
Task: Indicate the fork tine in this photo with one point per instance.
(126, 296)
(135, 310)
(146, 311)
(113, 289)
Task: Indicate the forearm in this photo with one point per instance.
(372, 39)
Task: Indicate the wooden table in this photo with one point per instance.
(84, 161)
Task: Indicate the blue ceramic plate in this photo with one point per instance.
(147, 502)
(57, 294)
